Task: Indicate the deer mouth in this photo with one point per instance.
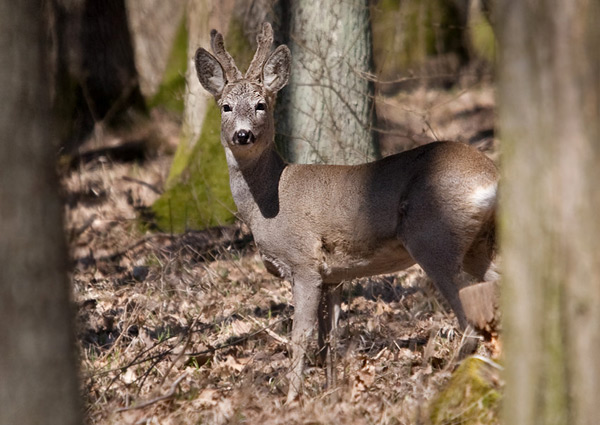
(243, 137)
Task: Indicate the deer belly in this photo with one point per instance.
(339, 264)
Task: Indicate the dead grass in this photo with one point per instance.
(187, 329)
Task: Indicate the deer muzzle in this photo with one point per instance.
(243, 137)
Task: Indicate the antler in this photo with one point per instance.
(232, 73)
(264, 41)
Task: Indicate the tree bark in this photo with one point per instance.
(37, 359)
(420, 38)
(153, 25)
(327, 109)
(202, 16)
(549, 96)
(198, 193)
(94, 70)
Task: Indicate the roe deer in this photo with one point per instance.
(318, 225)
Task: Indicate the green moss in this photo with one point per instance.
(483, 39)
(183, 153)
(201, 197)
(472, 396)
(171, 91)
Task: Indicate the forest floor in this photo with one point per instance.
(190, 328)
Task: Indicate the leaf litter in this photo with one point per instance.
(191, 328)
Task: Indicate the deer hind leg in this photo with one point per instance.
(307, 295)
(329, 314)
(441, 259)
(446, 278)
(445, 271)
(480, 258)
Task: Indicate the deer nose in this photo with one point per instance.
(243, 137)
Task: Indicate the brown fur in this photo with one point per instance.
(317, 225)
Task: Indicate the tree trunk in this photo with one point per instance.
(153, 25)
(94, 70)
(198, 193)
(37, 359)
(415, 38)
(202, 16)
(326, 112)
(550, 129)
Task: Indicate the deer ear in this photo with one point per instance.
(276, 70)
(210, 72)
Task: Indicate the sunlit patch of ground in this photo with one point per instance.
(187, 329)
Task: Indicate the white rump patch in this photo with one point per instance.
(484, 196)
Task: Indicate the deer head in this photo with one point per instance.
(246, 102)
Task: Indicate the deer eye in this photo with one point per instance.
(260, 106)
(226, 108)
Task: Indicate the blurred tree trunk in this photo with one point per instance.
(93, 66)
(202, 16)
(428, 43)
(198, 193)
(110, 81)
(38, 381)
(550, 129)
(153, 25)
(326, 111)
(196, 99)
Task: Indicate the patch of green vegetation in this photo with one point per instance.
(472, 396)
(171, 91)
(183, 153)
(483, 39)
(201, 197)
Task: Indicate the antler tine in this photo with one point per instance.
(218, 47)
(264, 41)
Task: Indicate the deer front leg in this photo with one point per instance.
(329, 314)
(307, 294)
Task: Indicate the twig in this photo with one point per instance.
(185, 346)
(155, 358)
(142, 183)
(166, 396)
(137, 359)
(435, 136)
(236, 341)
(269, 332)
(84, 226)
(488, 361)
(116, 255)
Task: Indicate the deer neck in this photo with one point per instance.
(254, 183)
